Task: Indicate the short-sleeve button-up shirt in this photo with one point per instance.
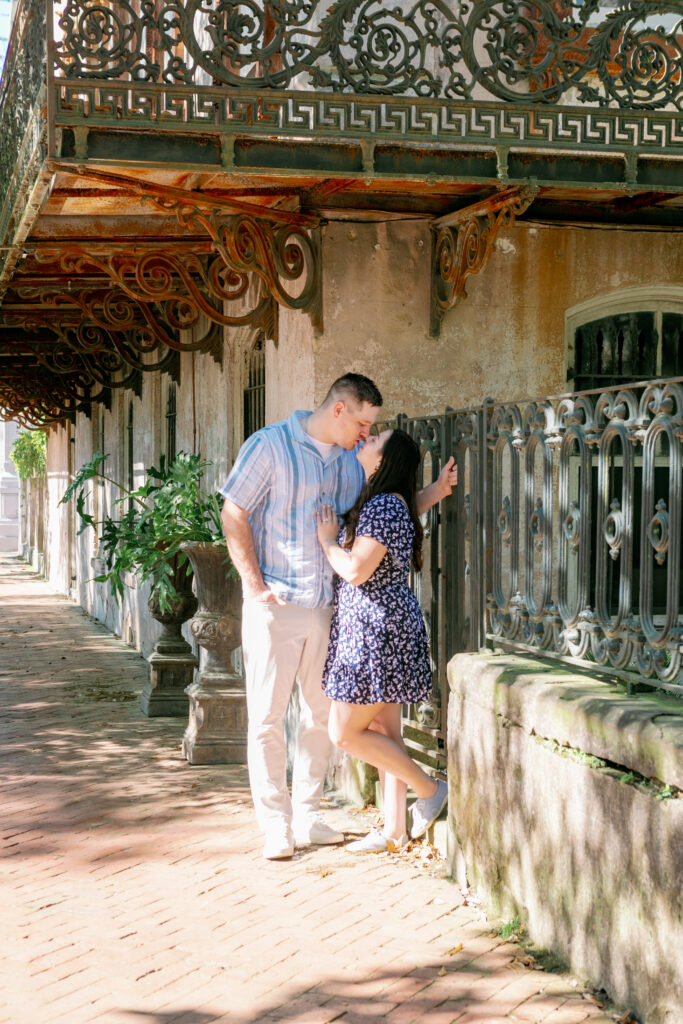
(281, 479)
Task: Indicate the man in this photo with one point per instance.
(282, 475)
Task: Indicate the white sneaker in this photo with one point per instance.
(376, 842)
(427, 810)
(279, 843)
(314, 832)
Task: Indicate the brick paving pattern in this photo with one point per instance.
(133, 891)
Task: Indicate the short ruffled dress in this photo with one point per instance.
(378, 645)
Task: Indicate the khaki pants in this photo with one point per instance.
(283, 645)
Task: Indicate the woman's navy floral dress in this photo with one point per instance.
(378, 646)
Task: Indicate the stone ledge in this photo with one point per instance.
(592, 866)
(644, 733)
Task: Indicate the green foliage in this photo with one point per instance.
(653, 787)
(510, 929)
(168, 509)
(668, 793)
(29, 453)
(546, 959)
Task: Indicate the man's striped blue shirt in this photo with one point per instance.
(281, 479)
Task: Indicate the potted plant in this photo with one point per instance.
(167, 527)
(168, 510)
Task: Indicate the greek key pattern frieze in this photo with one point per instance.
(344, 117)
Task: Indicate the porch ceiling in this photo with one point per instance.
(574, 189)
(83, 310)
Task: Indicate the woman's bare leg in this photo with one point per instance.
(388, 721)
(377, 726)
(350, 729)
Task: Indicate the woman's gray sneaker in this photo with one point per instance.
(427, 810)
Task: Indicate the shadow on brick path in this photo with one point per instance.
(134, 891)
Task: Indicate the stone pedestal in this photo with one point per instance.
(217, 727)
(171, 663)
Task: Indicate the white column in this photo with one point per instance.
(9, 490)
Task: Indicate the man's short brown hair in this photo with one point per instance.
(355, 386)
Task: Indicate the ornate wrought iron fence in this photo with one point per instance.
(585, 515)
(450, 586)
(625, 54)
(563, 538)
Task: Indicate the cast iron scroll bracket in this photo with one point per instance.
(277, 249)
(462, 242)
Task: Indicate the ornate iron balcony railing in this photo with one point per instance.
(22, 97)
(544, 73)
(564, 538)
(627, 54)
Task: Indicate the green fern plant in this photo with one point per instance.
(170, 508)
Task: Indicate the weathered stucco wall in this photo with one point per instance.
(505, 340)
(553, 819)
(205, 412)
(291, 367)
(59, 553)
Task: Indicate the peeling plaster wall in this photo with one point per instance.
(204, 416)
(205, 413)
(291, 367)
(505, 340)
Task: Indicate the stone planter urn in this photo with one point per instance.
(171, 663)
(217, 727)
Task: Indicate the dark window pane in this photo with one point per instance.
(672, 345)
(615, 349)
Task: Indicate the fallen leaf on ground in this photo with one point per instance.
(523, 961)
(456, 949)
(442, 972)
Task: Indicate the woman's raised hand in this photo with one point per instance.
(328, 524)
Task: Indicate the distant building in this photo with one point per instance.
(9, 490)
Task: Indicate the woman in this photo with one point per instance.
(378, 657)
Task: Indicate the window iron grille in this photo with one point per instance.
(255, 391)
(171, 421)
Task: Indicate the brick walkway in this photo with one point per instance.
(132, 887)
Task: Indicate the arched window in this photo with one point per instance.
(630, 336)
(255, 391)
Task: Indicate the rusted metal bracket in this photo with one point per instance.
(254, 242)
(462, 242)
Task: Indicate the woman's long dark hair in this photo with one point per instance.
(397, 474)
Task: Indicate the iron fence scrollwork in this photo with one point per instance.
(587, 560)
(563, 538)
(449, 586)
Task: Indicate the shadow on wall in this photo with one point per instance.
(594, 865)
